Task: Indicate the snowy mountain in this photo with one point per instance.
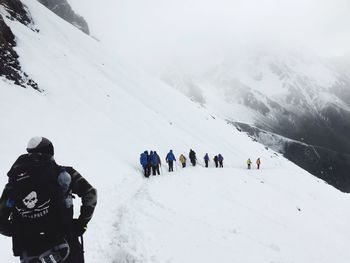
(295, 95)
(101, 113)
(63, 9)
(10, 67)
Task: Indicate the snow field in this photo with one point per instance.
(100, 113)
(230, 215)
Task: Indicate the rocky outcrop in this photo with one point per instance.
(64, 10)
(10, 67)
(16, 11)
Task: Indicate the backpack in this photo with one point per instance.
(155, 159)
(182, 158)
(170, 157)
(41, 217)
(143, 159)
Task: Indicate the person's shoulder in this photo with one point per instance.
(70, 170)
(22, 158)
(19, 161)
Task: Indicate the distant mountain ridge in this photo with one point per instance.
(305, 99)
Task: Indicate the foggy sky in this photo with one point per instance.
(149, 31)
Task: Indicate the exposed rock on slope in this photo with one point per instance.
(10, 67)
(16, 11)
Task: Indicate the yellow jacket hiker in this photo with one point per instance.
(182, 159)
(249, 162)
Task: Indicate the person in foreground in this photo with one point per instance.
(36, 207)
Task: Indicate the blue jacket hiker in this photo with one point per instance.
(170, 158)
(143, 158)
(144, 161)
(155, 163)
(206, 160)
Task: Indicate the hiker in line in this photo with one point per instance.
(249, 163)
(216, 161)
(221, 160)
(206, 160)
(182, 159)
(144, 162)
(170, 158)
(258, 162)
(36, 207)
(156, 163)
(193, 158)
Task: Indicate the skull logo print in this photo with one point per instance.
(30, 200)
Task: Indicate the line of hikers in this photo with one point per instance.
(249, 163)
(218, 160)
(151, 162)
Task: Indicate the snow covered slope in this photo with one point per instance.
(233, 215)
(101, 113)
(293, 94)
(242, 68)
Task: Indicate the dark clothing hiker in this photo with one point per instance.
(206, 160)
(216, 161)
(36, 207)
(221, 160)
(192, 156)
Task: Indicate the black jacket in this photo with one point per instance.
(79, 186)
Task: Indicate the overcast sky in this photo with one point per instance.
(159, 30)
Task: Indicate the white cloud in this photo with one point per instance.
(158, 30)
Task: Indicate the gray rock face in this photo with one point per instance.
(10, 67)
(64, 10)
(16, 10)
